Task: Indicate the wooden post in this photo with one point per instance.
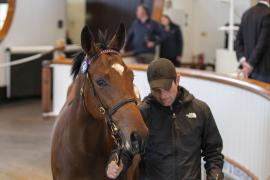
(46, 87)
(157, 10)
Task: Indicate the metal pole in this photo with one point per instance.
(231, 26)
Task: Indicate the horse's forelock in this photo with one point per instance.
(79, 57)
(103, 40)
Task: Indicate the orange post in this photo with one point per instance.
(46, 87)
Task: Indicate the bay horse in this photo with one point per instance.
(100, 108)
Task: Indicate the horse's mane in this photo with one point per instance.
(79, 57)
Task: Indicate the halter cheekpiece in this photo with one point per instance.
(108, 113)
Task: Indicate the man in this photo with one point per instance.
(181, 130)
(143, 35)
(252, 43)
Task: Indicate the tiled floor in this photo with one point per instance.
(24, 141)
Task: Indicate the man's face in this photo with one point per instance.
(166, 97)
(140, 12)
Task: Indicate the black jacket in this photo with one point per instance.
(172, 43)
(253, 39)
(178, 137)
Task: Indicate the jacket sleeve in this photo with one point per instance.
(263, 42)
(239, 43)
(211, 147)
(158, 33)
(179, 40)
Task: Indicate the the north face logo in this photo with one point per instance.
(191, 115)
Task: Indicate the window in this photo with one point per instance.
(3, 13)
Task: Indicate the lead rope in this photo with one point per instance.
(117, 140)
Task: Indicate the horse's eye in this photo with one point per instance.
(101, 82)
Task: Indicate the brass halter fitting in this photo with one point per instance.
(102, 110)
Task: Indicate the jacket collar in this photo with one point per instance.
(265, 3)
(183, 96)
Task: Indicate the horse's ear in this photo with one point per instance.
(87, 40)
(118, 39)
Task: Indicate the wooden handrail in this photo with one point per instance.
(243, 168)
(260, 88)
(8, 20)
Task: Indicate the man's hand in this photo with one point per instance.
(179, 59)
(247, 69)
(150, 44)
(215, 175)
(114, 170)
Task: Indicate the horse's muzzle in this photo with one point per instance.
(137, 143)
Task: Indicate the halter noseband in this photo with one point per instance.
(108, 113)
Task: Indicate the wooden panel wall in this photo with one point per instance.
(108, 14)
(157, 9)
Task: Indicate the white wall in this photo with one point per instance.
(204, 17)
(76, 12)
(35, 22)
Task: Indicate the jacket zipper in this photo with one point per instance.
(174, 142)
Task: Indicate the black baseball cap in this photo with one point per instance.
(161, 73)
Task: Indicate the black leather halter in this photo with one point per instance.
(107, 112)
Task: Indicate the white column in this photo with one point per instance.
(231, 25)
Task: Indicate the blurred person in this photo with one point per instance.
(143, 35)
(172, 44)
(182, 129)
(252, 43)
(68, 39)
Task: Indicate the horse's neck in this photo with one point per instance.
(90, 133)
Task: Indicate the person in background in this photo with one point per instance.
(172, 44)
(252, 42)
(182, 129)
(143, 35)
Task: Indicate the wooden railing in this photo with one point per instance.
(254, 86)
(260, 88)
(242, 168)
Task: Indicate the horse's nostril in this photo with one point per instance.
(136, 142)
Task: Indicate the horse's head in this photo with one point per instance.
(107, 89)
